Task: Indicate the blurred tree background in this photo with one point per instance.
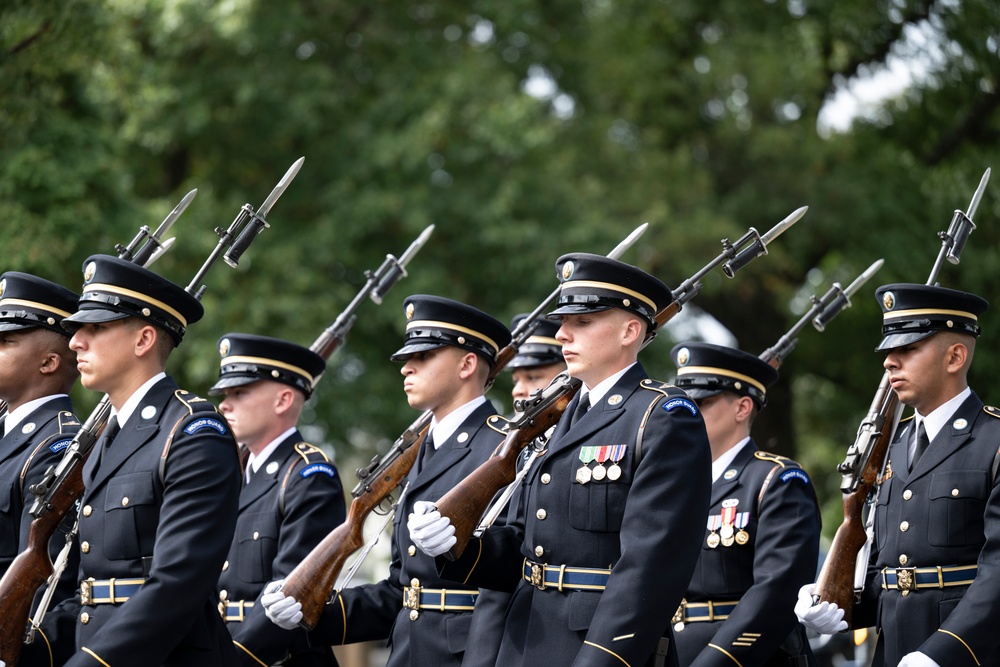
(522, 130)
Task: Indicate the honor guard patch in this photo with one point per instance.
(202, 424)
(794, 473)
(685, 403)
(59, 445)
(318, 468)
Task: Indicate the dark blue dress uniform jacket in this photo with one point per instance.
(764, 574)
(272, 537)
(951, 508)
(375, 611)
(25, 454)
(174, 531)
(647, 526)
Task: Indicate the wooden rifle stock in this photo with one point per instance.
(313, 580)
(466, 503)
(860, 469)
(32, 567)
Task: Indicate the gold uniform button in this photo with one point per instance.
(412, 550)
(907, 494)
(85, 618)
(223, 594)
(546, 478)
(225, 566)
(256, 535)
(539, 551)
(541, 514)
(903, 560)
(414, 583)
(905, 526)
(954, 492)
(87, 510)
(85, 547)
(125, 501)
(414, 614)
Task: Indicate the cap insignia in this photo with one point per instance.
(3, 286)
(683, 356)
(889, 300)
(567, 270)
(224, 347)
(615, 400)
(409, 311)
(88, 273)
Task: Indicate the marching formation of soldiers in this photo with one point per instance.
(643, 525)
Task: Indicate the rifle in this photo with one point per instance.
(865, 459)
(313, 580)
(62, 484)
(822, 312)
(466, 503)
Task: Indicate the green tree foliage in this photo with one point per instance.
(521, 130)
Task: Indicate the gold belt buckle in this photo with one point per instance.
(538, 576)
(411, 597)
(906, 580)
(678, 617)
(86, 595)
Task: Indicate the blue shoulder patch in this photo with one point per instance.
(795, 473)
(202, 424)
(685, 403)
(318, 468)
(60, 445)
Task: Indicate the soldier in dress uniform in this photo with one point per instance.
(446, 359)
(292, 497)
(37, 372)
(536, 363)
(161, 494)
(603, 536)
(761, 539)
(933, 584)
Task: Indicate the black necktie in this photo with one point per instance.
(427, 451)
(922, 443)
(581, 409)
(110, 431)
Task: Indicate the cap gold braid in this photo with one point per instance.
(114, 289)
(916, 312)
(423, 324)
(238, 359)
(711, 370)
(33, 304)
(573, 284)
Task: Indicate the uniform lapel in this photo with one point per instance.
(263, 482)
(141, 427)
(607, 410)
(723, 487)
(951, 438)
(18, 440)
(453, 450)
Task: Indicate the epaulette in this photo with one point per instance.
(55, 443)
(657, 386)
(773, 458)
(794, 471)
(194, 403)
(907, 418)
(991, 411)
(498, 424)
(67, 418)
(307, 452)
(316, 462)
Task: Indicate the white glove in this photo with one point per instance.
(284, 611)
(825, 618)
(915, 659)
(432, 533)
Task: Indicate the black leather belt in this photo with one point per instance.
(908, 579)
(562, 578)
(108, 591)
(235, 610)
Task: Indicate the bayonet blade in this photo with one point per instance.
(279, 189)
(171, 218)
(863, 278)
(628, 241)
(416, 246)
(979, 194)
(783, 226)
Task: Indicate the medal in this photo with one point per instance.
(617, 453)
(714, 521)
(713, 540)
(742, 519)
(587, 454)
(728, 541)
(728, 517)
(742, 537)
(602, 455)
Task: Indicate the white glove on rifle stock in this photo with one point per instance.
(825, 618)
(283, 610)
(430, 532)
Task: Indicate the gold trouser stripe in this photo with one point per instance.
(256, 659)
(479, 555)
(237, 359)
(343, 614)
(974, 658)
(94, 656)
(727, 653)
(33, 304)
(48, 644)
(608, 651)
